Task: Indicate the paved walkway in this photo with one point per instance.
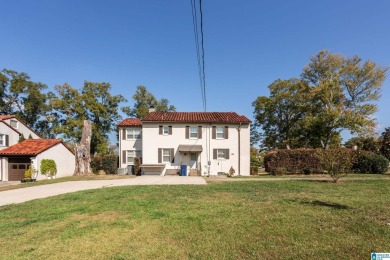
(49, 190)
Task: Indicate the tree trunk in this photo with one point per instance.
(83, 150)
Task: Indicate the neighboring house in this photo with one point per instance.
(208, 143)
(11, 129)
(17, 158)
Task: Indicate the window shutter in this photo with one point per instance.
(187, 132)
(214, 154)
(226, 153)
(172, 155)
(170, 130)
(123, 134)
(6, 140)
(124, 159)
(199, 132)
(226, 132)
(214, 133)
(159, 155)
(160, 130)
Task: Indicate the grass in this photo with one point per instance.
(64, 179)
(351, 175)
(229, 220)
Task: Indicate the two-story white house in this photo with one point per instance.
(208, 143)
(16, 156)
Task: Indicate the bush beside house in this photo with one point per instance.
(108, 163)
(48, 167)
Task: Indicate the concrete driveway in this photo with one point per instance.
(49, 190)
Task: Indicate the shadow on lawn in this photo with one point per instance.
(325, 204)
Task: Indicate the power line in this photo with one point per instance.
(195, 24)
(201, 31)
(200, 58)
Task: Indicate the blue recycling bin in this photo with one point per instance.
(183, 170)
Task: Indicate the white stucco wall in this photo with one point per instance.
(126, 145)
(152, 141)
(13, 137)
(65, 161)
(23, 129)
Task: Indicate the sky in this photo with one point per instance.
(248, 44)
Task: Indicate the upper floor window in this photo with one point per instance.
(165, 130)
(193, 132)
(14, 123)
(132, 134)
(220, 132)
(2, 140)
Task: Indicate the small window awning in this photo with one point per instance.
(190, 148)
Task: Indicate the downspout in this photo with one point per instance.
(239, 149)
(208, 157)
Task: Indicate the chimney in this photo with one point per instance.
(152, 109)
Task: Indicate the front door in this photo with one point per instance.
(193, 160)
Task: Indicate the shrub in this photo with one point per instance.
(368, 162)
(300, 161)
(108, 163)
(254, 170)
(279, 171)
(48, 167)
(336, 162)
(28, 172)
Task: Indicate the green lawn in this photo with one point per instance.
(229, 220)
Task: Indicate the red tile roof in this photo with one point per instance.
(4, 117)
(196, 117)
(31, 147)
(130, 122)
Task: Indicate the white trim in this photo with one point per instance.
(166, 155)
(191, 131)
(134, 153)
(223, 152)
(220, 132)
(167, 130)
(133, 134)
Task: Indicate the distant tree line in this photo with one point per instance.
(60, 113)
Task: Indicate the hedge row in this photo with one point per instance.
(307, 161)
(108, 163)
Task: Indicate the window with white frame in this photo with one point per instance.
(220, 131)
(193, 132)
(221, 154)
(130, 155)
(166, 155)
(132, 134)
(166, 130)
(2, 140)
(14, 123)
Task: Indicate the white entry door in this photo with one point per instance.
(193, 160)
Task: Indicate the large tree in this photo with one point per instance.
(343, 92)
(280, 115)
(22, 97)
(93, 102)
(143, 101)
(335, 93)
